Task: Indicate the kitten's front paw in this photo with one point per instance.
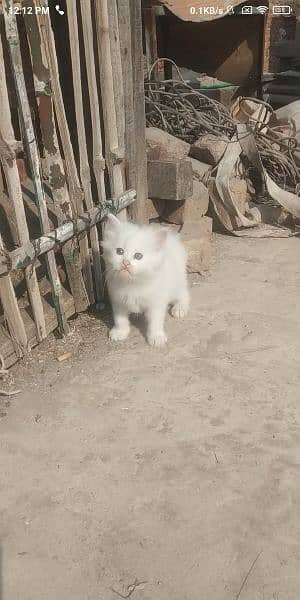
(157, 339)
(179, 310)
(117, 334)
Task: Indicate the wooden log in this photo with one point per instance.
(85, 173)
(76, 193)
(16, 200)
(170, 180)
(29, 252)
(32, 149)
(140, 185)
(114, 154)
(53, 160)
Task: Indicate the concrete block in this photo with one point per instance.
(170, 180)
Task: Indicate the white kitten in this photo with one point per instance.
(146, 272)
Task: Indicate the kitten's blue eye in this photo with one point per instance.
(119, 251)
(138, 256)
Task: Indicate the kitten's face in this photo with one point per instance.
(131, 251)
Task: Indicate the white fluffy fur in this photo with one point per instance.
(149, 285)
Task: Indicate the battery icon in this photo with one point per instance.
(282, 10)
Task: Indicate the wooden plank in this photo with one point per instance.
(16, 200)
(98, 159)
(53, 160)
(114, 154)
(170, 180)
(126, 60)
(117, 72)
(27, 127)
(149, 18)
(12, 312)
(85, 173)
(135, 152)
(28, 253)
(138, 213)
(76, 194)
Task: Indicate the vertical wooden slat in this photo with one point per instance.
(15, 194)
(149, 14)
(27, 127)
(133, 77)
(83, 155)
(114, 154)
(114, 37)
(53, 160)
(126, 58)
(75, 190)
(98, 159)
(138, 211)
(12, 312)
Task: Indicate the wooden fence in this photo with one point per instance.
(60, 175)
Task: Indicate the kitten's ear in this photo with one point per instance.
(161, 237)
(112, 223)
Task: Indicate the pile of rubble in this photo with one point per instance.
(245, 181)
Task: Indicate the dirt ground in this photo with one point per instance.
(167, 474)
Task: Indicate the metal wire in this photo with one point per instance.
(184, 112)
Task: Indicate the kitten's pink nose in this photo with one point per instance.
(125, 263)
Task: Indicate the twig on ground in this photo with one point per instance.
(247, 575)
(130, 588)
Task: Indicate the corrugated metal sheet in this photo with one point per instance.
(200, 11)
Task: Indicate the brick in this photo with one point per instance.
(197, 240)
(166, 146)
(208, 149)
(170, 180)
(191, 209)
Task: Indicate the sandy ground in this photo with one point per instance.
(163, 475)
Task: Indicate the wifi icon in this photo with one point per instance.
(262, 10)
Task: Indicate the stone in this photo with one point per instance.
(209, 149)
(200, 169)
(155, 208)
(165, 146)
(197, 240)
(192, 209)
